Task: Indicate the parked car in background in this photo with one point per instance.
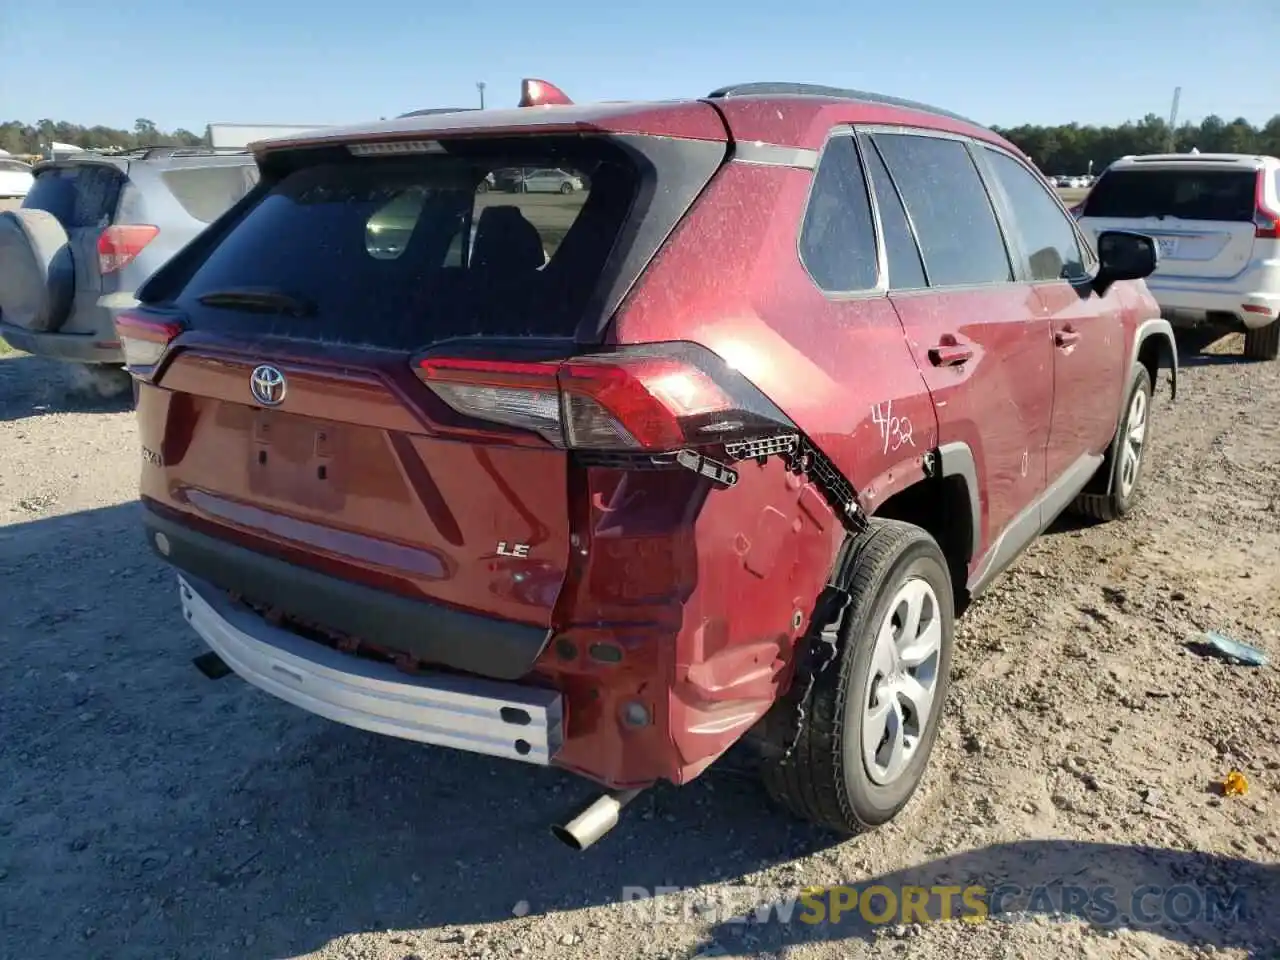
(619, 507)
(1216, 220)
(15, 179)
(91, 229)
(550, 180)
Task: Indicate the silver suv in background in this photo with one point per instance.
(92, 228)
(1216, 221)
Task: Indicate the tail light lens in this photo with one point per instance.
(144, 340)
(653, 399)
(119, 245)
(1266, 222)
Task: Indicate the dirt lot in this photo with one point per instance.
(147, 812)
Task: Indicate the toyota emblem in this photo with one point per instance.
(267, 385)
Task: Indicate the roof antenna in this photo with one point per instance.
(539, 93)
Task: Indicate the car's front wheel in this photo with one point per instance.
(1129, 454)
(869, 724)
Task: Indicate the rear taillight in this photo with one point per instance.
(144, 340)
(1266, 222)
(659, 398)
(119, 245)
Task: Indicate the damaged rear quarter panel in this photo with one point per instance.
(730, 279)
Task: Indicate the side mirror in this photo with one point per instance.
(1123, 256)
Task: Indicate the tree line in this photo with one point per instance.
(26, 139)
(1066, 149)
(1070, 148)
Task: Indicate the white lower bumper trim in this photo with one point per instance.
(466, 713)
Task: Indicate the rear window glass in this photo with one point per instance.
(401, 252)
(208, 192)
(82, 195)
(1187, 194)
(13, 166)
(838, 239)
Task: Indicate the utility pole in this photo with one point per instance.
(1173, 119)
(480, 87)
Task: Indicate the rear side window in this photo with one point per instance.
(949, 206)
(906, 271)
(1224, 195)
(208, 192)
(838, 237)
(80, 195)
(402, 252)
(1048, 238)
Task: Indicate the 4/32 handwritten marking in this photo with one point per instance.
(894, 431)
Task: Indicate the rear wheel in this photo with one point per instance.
(872, 717)
(1263, 343)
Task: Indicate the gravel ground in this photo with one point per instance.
(147, 812)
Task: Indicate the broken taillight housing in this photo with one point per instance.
(144, 340)
(656, 398)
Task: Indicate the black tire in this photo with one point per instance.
(1263, 343)
(826, 780)
(483, 187)
(1105, 507)
(566, 187)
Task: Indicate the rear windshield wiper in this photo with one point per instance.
(258, 300)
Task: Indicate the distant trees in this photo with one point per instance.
(25, 138)
(1068, 149)
(1063, 149)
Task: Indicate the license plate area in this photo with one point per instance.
(1167, 246)
(294, 460)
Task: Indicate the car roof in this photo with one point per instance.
(795, 115)
(157, 158)
(1166, 161)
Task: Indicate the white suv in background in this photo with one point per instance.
(1216, 221)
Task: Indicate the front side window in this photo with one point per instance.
(1049, 240)
(838, 237)
(954, 220)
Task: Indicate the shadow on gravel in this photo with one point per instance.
(1215, 360)
(33, 386)
(147, 811)
(1184, 896)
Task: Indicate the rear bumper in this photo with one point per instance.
(466, 713)
(428, 632)
(76, 347)
(1186, 303)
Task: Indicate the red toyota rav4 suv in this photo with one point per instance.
(712, 444)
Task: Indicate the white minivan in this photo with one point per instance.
(1216, 222)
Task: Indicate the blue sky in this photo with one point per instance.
(321, 61)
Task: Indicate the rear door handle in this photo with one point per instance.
(1066, 338)
(950, 354)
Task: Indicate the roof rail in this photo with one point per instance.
(767, 88)
(160, 152)
(432, 111)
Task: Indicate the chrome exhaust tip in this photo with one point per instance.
(595, 821)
